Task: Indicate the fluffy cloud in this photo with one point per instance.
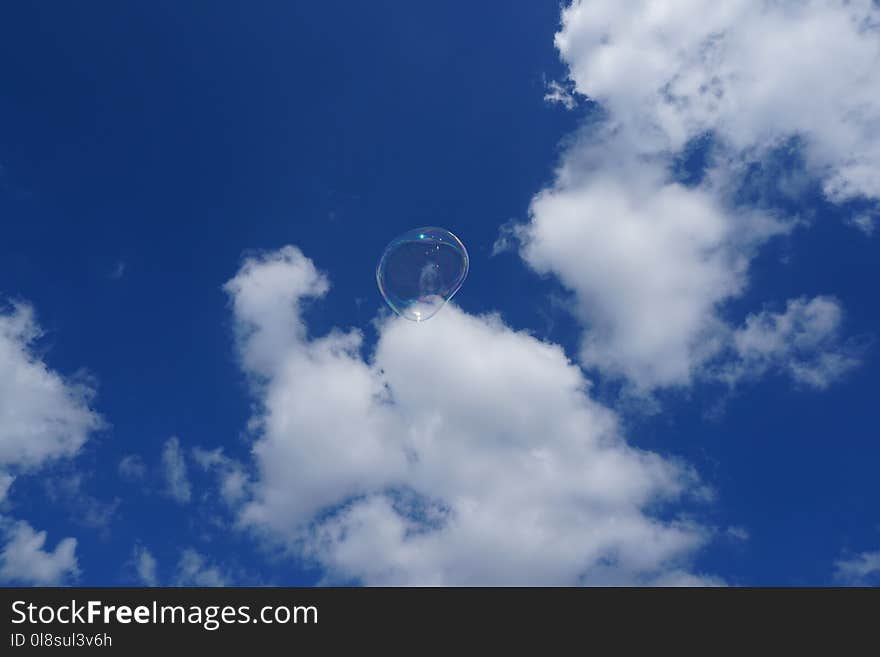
(651, 261)
(42, 416)
(749, 72)
(25, 560)
(801, 341)
(177, 484)
(461, 453)
(861, 569)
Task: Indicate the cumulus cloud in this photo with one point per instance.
(652, 261)
(463, 452)
(860, 569)
(802, 341)
(748, 72)
(193, 570)
(25, 560)
(42, 415)
(649, 261)
(177, 484)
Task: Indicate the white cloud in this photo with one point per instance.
(682, 578)
(193, 570)
(749, 72)
(174, 467)
(649, 261)
(561, 93)
(145, 565)
(233, 479)
(25, 560)
(42, 416)
(462, 453)
(802, 341)
(860, 569)
(866, 223)
(68, 491)
(6, 480)
(653, 262)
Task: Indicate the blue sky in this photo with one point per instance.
(682, 263)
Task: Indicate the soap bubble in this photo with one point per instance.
(420, 270)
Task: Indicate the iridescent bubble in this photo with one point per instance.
(421, 270)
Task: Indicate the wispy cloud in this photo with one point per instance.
(859, 569)
(175, 471)
(561, 93)
(68, 491)
(132, 467)
(867, 223)
(145, 566)
(6, 480)
(233, 480)
(193, 569)
(118, 270)
(738, 533)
